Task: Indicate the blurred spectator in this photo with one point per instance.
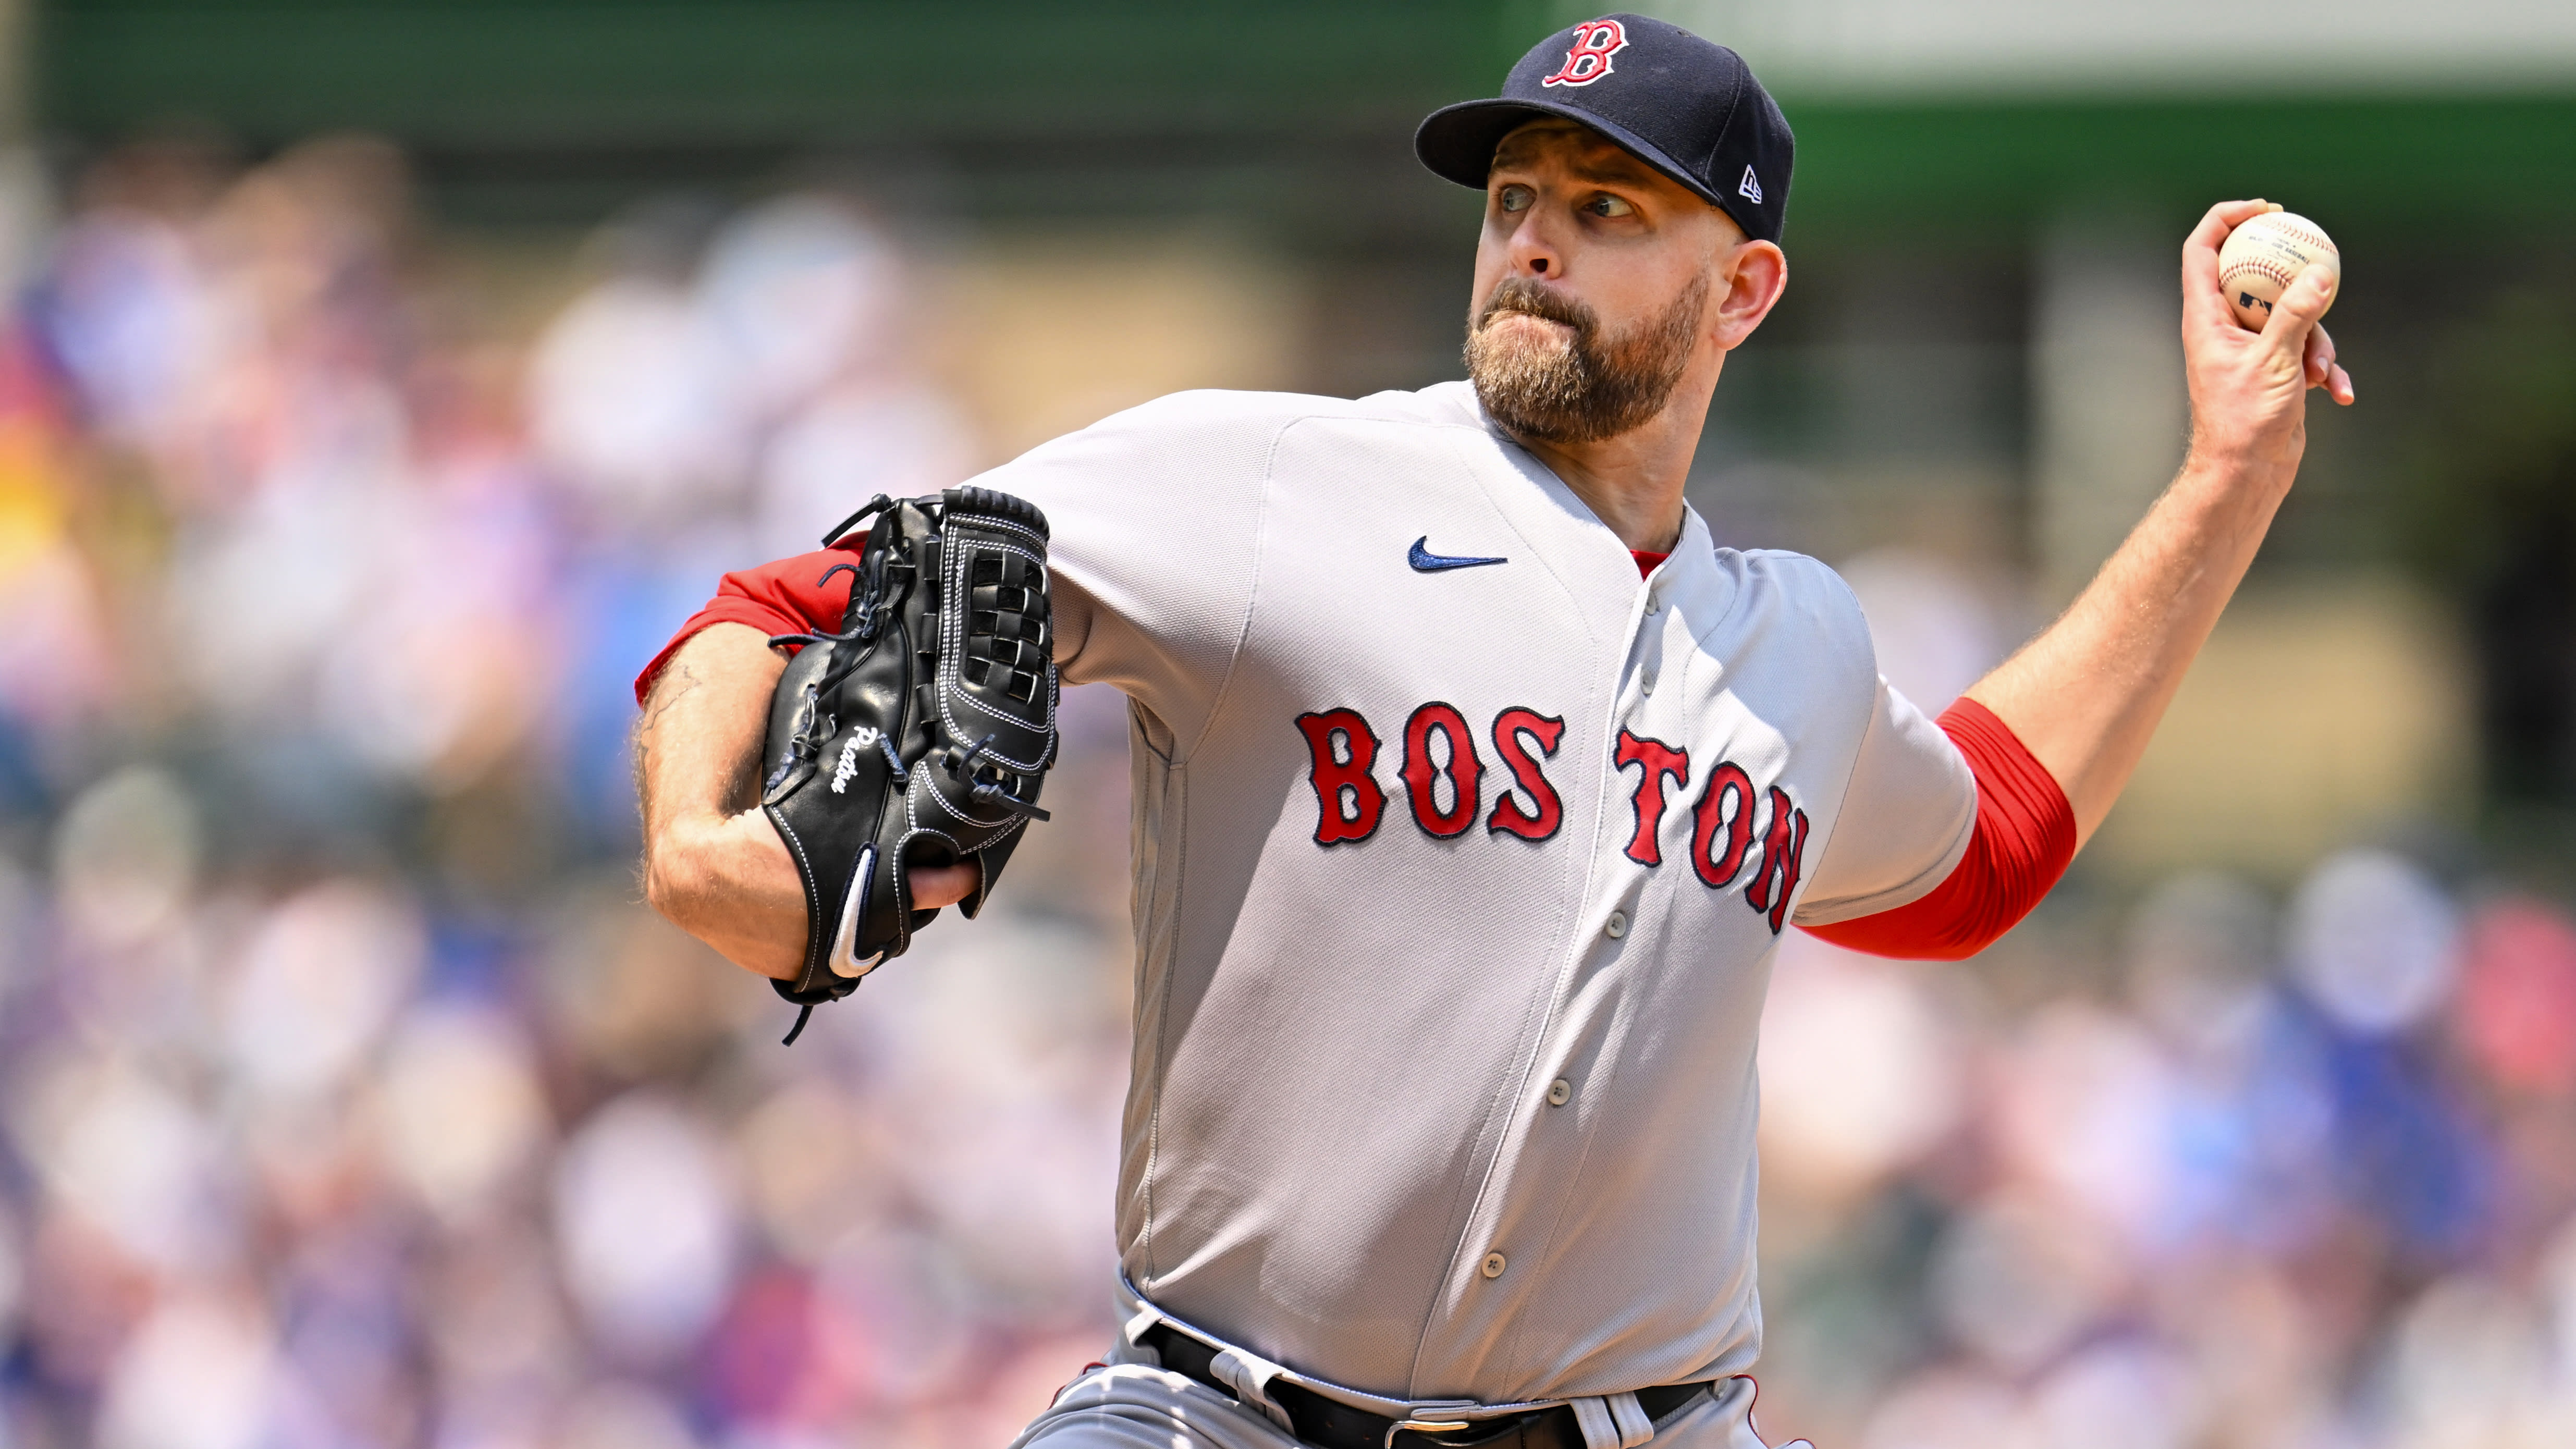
(463, 1110)
(2373, 941)
(2518, 999)
(644, 1215)
(635, 403)
(1860, 1076)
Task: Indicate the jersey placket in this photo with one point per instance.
(1502, 1266)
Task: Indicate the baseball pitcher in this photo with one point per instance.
(1474, 788)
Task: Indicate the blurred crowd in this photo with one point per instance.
(2293, 1172)
(349, 1097)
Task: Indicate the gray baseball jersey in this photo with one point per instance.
(1460, 858)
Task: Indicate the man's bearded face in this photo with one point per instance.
(1542, 384)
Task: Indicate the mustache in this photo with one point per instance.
(1531, 298)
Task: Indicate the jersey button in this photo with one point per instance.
(1617, 926)
(1646, 684)
(1494, 1265)
(1560, 1092)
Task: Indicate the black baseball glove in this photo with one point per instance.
(920, 733)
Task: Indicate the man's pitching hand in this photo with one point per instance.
(2249, 389)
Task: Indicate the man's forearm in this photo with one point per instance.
(712, 863)
(2086, 695)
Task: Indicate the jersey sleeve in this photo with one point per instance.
(1906, 819)
(2024, 838)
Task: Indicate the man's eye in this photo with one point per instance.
(1606, 205)
(1514, 198)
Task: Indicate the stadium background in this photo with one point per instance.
(380, 383)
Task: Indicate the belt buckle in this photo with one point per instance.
(1414, 1423)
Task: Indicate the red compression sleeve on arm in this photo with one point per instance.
(775, 598)
(2025, 836)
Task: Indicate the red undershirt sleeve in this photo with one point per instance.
(2023, 840)
(775, 598)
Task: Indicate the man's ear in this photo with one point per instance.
(1754, 274)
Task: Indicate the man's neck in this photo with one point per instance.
(1633, 482)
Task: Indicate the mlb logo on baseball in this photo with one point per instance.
(1588, 60)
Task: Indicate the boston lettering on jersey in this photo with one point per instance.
(1725, 829)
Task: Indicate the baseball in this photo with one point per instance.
(2262, 255)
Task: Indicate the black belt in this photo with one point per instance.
(1331, 1424)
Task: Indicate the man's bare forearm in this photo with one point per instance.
(2085, 696)
(712, 862)
(697, 744)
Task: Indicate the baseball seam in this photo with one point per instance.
(2302, 234)
(2274, 270)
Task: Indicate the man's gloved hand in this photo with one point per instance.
(914, 741)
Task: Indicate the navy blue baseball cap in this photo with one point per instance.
(1685, 106)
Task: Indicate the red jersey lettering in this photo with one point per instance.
(1348, 799)
(1722, 825)
(1660, 761)
(1422, 773)
(1776, 879)
(1546, 811)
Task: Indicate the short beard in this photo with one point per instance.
(1580, 390)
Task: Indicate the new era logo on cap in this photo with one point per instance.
(1688, 108)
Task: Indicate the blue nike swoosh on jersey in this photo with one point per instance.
(1424, 561)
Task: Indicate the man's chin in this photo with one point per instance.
(1525, 417)
(1533, 407)
(1523, 354)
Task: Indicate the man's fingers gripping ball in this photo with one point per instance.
(2261, 257)
(2200, 249)
(2294, 325)
(2279, 272)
